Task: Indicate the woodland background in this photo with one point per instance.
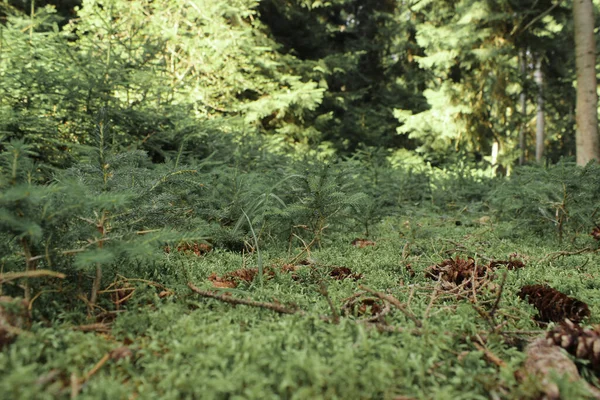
(427, 81)
(388, 185)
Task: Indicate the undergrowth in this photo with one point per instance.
(130, 270)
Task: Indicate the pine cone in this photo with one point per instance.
(554, 305)
(582, 343)
(456, 270)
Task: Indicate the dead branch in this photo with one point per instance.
(491, 357)
(558, 254)
(96, 368)
(395, 302)
(115, 355)
(434, 295)
(405, 251)
(9, 276)
(99, 327)
(231, 300)
(305, 250)
(498, 296)
(335, 315)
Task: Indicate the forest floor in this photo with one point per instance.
(430, 307)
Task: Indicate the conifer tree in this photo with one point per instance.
(362, 53)
(166, 72)
(471, 49)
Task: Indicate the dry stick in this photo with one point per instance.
(490, 356)
(474, 282)
(489, 316)
(519, 30)
(485, 316)
(9, 276)
(151, 283)
(89, 305)
(405, 251)
(354, 296)
(76, 384)
(434, 296)
(462, 248)
(29, 265)
(37, 295)
(278, 308)
(291, 238)
(96, 285)
(75, 387)
(395, 302)
(456, 291)
(379, 326)
(498, 296)
(124, 299)
(96, 368)
(97, 327)
(335, 315)
(410, 297)
(306, 248)
(45, 379)
(554, 256)
(227, 299)
(523, 332)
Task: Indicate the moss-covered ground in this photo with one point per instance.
(165, 341)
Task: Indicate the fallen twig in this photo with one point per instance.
(491, 357)
(38, 273)
(395, 302)
(357, 305)
(99, 327)
(231, 300)
(116, 354)
(489, 316)
(558, 254)
(335, 315)
(95, 368)
(498, 296)
(306, 248)
(434, 295)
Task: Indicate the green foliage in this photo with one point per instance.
(324, 194)
(559, 199)
(470, 51)
(358, 51)
(28, 209)
(186, 347)
(166, 74)
(95, 214)
(134, 131)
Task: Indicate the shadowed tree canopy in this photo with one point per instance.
(435, 78)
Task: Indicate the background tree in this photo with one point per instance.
(362, 53)
(588, 144)
(167, 73)
(181, 78)
(540, 133)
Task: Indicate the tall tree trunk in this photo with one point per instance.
(539, 123)
(587, 142)
(495, 152)
(523, 102)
